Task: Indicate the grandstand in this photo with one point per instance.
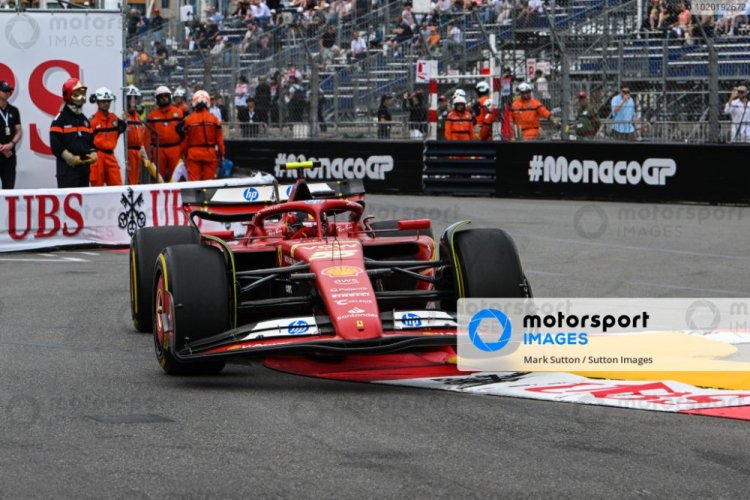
(585, 45)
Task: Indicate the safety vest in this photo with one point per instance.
(164, 122)
(106, 128)
(459, 126)
(526, 114)
(136, 131)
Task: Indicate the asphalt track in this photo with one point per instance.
(85, 411)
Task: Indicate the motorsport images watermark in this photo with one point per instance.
(589, 334)
(640, 222)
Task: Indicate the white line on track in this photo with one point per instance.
(59, 260)
(47, 255)
(93, 254)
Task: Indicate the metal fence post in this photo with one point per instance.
(664, 95)
(713, 95)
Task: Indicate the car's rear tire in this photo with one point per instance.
(381, 225)
(191, 302)
(489, 265)
(146, 245)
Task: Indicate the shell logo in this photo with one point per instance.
(341, 271)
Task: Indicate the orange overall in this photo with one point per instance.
(136, 141)
(202, 135)
(526, 115)
(459, 126)
(165, 121)
(485, 118)
(106, 129)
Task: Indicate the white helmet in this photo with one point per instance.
(161, 90)
(459, 92)
(179, 92)
(201, 97)
(459, 99)
(103, 94)
(482, 87)
(132, 91)
(524, 87)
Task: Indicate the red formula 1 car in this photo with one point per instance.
(311, 276)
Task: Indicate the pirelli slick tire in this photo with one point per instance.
(145, 247)
(191, 302)
(488, 265)
(381, 225)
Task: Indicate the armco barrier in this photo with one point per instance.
(44, 218)
(384, 166)
(627, 171)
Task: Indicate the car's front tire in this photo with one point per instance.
(487, 265)
(146, 245)
(191, 302)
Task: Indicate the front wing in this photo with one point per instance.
(402, 331)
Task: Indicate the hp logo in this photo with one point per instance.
(298, 327)
(251, 194)
(411, 320)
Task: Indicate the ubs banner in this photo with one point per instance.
(384, 166)
(624, 171)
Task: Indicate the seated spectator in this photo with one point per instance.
(408, 16)
(130, 75)
(530, 10)
(200, 34)
(374, 37)
(358, 47)
(683, 28)
(309, 23)
(402, 32)
(261, 13)
(454, 40)
(161, 55)
(666, 17)
(705, 23)
(332, 16)
(653, 15)
(215, 17)
(265, 48)
(212, 29)
(241, 10)
(740, 19)
(219, 46)
(504, 11)
(432, 37)
(144, 61)
(132, 57)
(250, 40)
(328, 47)
(444, 8)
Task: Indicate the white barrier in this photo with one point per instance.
(44, 218)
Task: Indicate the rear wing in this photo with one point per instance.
(324, 190)
(268, 193)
